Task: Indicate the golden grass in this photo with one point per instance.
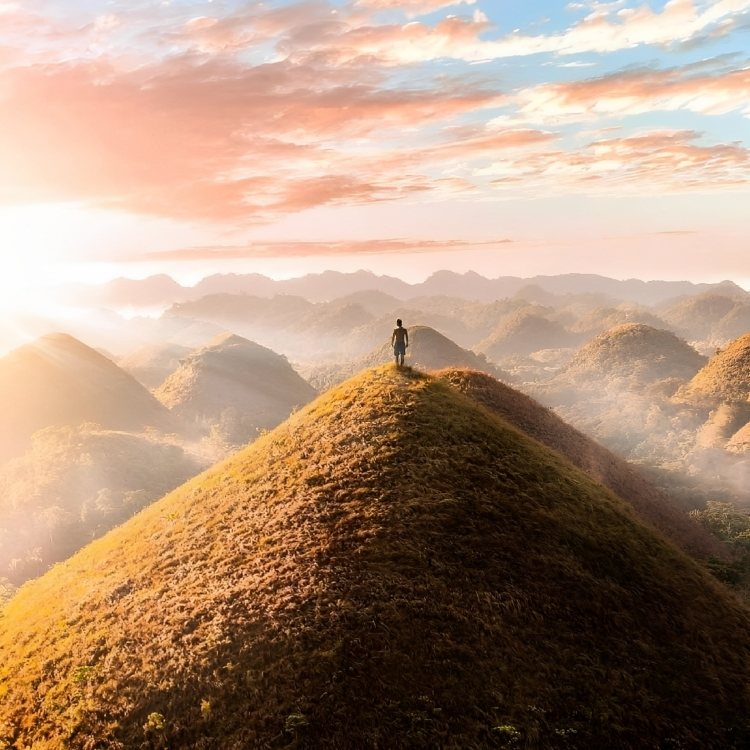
(392, 567)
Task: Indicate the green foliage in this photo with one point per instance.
(154, 723)
(74, 485)
(727, 523)
(83, 674)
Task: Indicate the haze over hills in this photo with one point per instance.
(393, 562)
(58, 381)
(161, 290)
(236, 386)
(152, 364)
(73, 485)
(524, 333)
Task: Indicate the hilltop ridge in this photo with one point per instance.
(394, 564)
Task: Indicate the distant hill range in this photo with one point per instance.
(163, 291)
(57, 381)
(234, 385)
(395, 566)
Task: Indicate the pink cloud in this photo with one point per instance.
(651, 163)
(636, 92)
(303, 249)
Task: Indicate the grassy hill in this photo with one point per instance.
(73, 485)
(539, 422)
(428, 350)
(724, 379)
(602, 319)
(152, 364)
(394, 567)
(633, 353)
(236, 386)
(524, 333)
(57, 381)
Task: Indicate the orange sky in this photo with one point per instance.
(609, 137)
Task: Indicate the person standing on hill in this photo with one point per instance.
(400, 341)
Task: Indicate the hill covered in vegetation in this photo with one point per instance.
(235, 386)
(394, 566)
(58, 381)
(73, 485)
(724, 379)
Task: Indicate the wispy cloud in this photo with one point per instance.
(304, 249)
(636, 92)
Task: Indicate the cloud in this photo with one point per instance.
(608, 28)
(212, 141)
(303, 249)
(649, 163)
(412, 8)
(636, 92)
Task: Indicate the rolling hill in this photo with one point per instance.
(57, 381)
(634, 353)
(234, 385)
(394, 566)
(524, 333)
(152, 364)
(724, 379)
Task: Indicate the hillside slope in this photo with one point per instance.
(57, 381)
(542, 424)
(236, 384)
(393, 567)
(524, 333)
(724, 379)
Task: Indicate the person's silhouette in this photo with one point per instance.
(399, 342)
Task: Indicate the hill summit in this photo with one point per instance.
(725, 379)
(236, 383)
(394, 566)
(636, 352)
(58, 381)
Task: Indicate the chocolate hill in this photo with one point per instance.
(428, 350)
(633, 352)
(152, 364)
(712, 316)
(539, 422)
(237, 384)
(57, 381)
(725, 379)
(395, 566)
(524, 333)
(601, 319)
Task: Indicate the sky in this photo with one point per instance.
(284, 137)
